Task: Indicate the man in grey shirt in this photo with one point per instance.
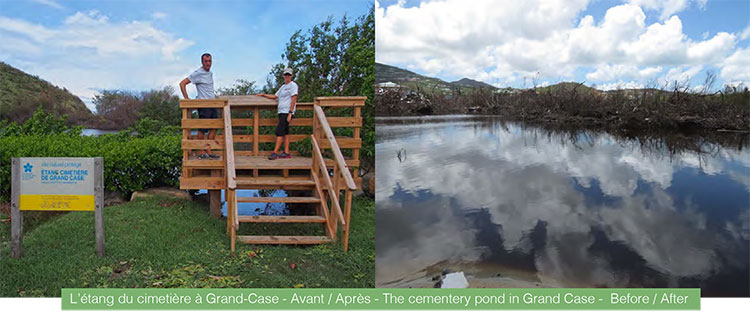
(204, 83)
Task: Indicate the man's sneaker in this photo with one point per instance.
(212, 156)
(285, 155)
(202, 156)
(273, 156)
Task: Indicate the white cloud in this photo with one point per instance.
(620, 85)
(93, 30)
(659, 44)
(667, 7)
(745, 33)
(451, 37)
(88, 52)
(712, 50)
(159, 15)
(50, 3)
(18, 27)
(737, 66)
(504, 43)
(607, 72)
(682, 75)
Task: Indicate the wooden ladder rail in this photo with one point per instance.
(231, 178)
(340, 171)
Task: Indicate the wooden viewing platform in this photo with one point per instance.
(245, 126)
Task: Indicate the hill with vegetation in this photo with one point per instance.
(473, 83)
(387, 73)
(22, 93)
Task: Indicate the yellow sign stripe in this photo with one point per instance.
(57, 202)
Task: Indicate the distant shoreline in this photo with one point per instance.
(647, 109)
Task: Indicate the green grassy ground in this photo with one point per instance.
(170, 243)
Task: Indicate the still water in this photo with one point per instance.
(256, 209)
(97, 132)
(518, 206)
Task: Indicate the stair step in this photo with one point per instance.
(275, 181)
(290, 219)
(278, 200)
(283, 239)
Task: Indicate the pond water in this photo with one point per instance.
(97, 132)
(519, 206)
(256, 209)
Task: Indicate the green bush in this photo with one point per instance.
(130, 163)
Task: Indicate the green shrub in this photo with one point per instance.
(130, 163)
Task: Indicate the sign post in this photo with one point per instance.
(56, 184)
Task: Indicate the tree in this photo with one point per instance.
(240, 87)
(161, 105)
(121, 108)
(334, 59)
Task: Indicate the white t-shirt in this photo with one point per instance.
(204, 83)
(285, 94)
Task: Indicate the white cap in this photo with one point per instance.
(288, 71)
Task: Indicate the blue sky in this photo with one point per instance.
(87, 46)
(607, 43)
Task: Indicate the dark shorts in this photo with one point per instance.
(283, 127)
(207, 113)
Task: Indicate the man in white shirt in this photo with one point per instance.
(204, 83)
(287, 96)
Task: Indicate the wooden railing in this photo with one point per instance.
(240, 141)
(321, 128)
(231, 176)
(249, 131)
(256, 106)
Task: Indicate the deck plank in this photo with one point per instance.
(283, 239)
(297, 199)
(283, 219)
(262, 162)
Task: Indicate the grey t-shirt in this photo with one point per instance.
(204, 83)
(285, 94)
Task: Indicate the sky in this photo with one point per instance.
(604, 43)
(89, 46)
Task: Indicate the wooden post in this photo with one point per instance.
(347, 214)
(16, 219)
(315, 124)
(229, 217)
(185, 152)
(355, 151)
(214, 196)
(256, 131)
(335, 191)
(99, 204)
(214, 199)
(231, 205)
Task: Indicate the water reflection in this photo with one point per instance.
(256, 209)
(514, 205)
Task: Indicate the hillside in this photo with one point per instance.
(473, 83)
(22, 93)
(568, 87)
(387, 73)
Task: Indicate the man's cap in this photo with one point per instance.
(288, 71)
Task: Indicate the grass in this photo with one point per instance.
(170, 243)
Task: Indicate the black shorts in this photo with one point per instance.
(283, 127)
(207, 113)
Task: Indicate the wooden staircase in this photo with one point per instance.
(251, 170)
